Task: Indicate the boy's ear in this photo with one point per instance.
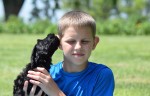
(96, 40)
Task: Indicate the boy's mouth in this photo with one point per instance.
(78, 54)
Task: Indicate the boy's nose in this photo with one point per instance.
(78, 45)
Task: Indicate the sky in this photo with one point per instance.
(26, 10)
(1, 9)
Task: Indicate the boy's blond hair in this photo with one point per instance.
(76, 19)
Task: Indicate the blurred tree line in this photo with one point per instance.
(128, 17)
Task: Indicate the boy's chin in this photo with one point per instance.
(79, 62)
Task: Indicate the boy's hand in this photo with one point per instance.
(32, 92)
(40, 77)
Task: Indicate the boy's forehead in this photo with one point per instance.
(78, 30)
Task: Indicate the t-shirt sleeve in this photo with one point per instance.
(104, 85)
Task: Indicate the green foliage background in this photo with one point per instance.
(116, 26)
(16, 25)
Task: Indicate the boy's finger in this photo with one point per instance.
(36, 78)
(38, 69)
(40, 93)
(39, 73)
(25, 87)
(32, 92)
(41, 69)
(37, 83)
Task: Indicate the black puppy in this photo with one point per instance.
(41, 57)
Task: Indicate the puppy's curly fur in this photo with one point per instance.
(41, 57)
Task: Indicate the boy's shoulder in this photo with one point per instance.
(97, 66)
(55, 70)
(101, 70)
(57, 66)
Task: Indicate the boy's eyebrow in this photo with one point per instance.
(73, 38)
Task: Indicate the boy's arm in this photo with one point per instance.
(40, 77)
(105, 83)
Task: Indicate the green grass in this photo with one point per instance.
(128, 57)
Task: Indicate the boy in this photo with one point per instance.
(75, 75)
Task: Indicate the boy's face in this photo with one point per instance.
(77, 45)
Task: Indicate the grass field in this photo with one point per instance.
(128, 57)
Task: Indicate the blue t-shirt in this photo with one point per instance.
(95, 80)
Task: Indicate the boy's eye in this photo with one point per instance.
(85, 42)
(71, 42)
